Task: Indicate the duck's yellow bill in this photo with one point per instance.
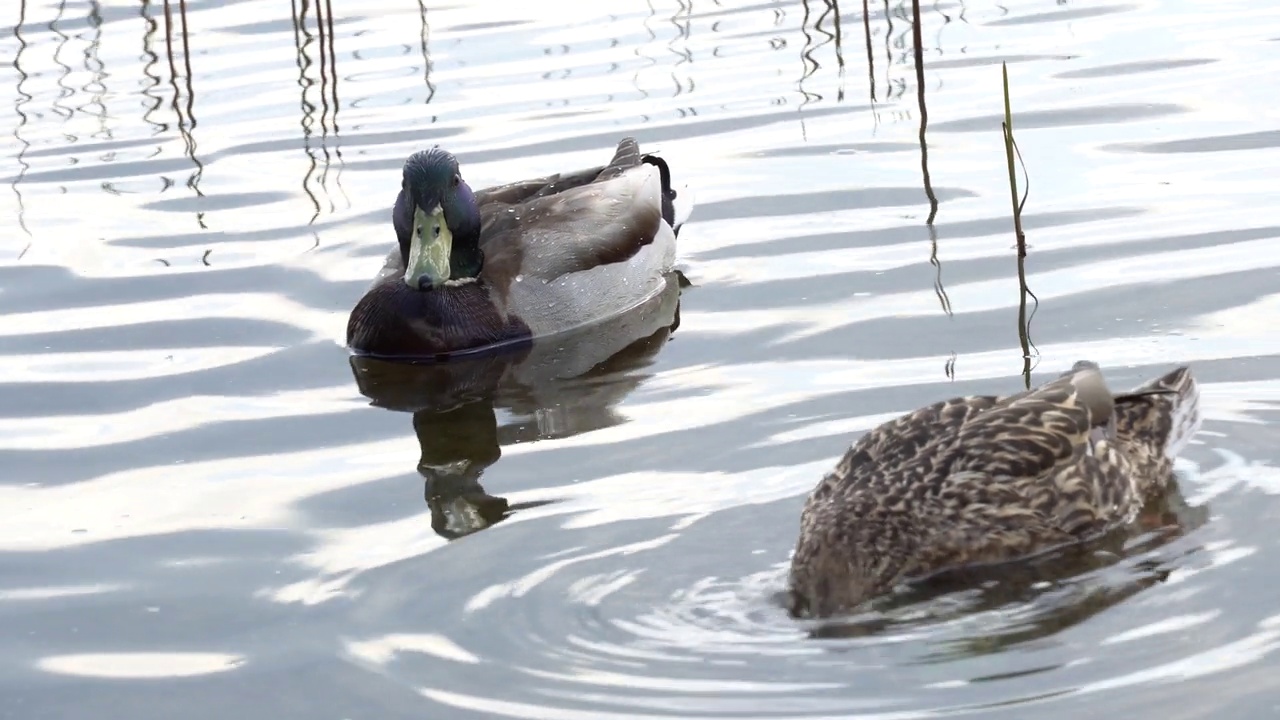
(430, 247)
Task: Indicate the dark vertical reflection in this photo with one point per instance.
(561, 49)
(64, 91)
(96, 87)
(683, 30)
(834, 6)
(184, 111)
(888, 53)
(426, 54)
(918, 49)
(148, 69)
(809, 67)
(193, 181)
(871, 62)
(302, 40)
(333, 65)
(153, 99)
(23, 98)
(323, 63)
(324, 26)
(902, 41)
(946, 20)
(615, 42)
(810, 64)
(829, 8)
(315, 182)
(924, 112)
(635, 77)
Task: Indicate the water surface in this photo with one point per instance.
(209, 509)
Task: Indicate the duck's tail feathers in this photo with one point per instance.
(627, 154)
(1174, 399)
(677, 202)
(682, 206)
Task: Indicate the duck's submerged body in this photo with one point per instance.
(987, 479)
(517, 261)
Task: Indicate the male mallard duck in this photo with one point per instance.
(986, 479)
(517, 261)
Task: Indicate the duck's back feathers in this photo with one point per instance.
(575, 221)
(1009, 437)
(626, 155)
(580, 228)
(580, 247)
(984, 479)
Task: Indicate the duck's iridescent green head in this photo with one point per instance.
(437, 222)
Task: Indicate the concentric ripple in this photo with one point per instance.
(660, 626)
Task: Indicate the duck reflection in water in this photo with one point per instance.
(552, 387)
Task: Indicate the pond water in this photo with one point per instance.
(207, 508)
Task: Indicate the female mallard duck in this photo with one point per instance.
(517, 261)
(985, 479)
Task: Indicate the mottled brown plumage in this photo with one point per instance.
(987, 479)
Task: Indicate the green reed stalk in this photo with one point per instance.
(1024, 323)
(1008, 153)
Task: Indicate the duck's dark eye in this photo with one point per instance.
(456, 179)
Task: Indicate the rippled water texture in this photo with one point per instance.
(208, 509)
